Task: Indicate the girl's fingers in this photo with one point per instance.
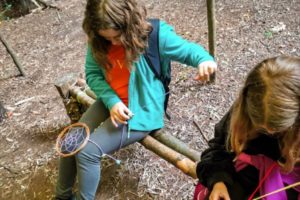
(125, 113)
(120, 119)
(205, 70)
(211, 69)
(128, 112)
(201, 73)
(123, 116)
(114, 121)
(225, 195)
(206, 73)
(214, 197)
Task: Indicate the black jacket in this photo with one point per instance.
(217, 163)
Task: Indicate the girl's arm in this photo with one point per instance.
(216, 163)
(174, 47)
(97, 82)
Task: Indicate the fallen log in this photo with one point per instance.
(164, 145)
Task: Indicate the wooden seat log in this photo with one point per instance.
(164, 145)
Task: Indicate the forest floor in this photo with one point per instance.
(50, 44)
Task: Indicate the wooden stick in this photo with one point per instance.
(198, 127)
(81, 96)
(279, 190)
(13, 55)
(211, 32)
(177, 145)
(184, 164)
(90, 93)
(211, 26)
(64, 83)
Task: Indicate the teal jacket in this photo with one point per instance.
(146, 93)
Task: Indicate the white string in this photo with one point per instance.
(104, 154)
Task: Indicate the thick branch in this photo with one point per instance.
(181, 162)
(13, 55)
(176, 144)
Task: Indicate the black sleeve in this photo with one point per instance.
(216, 163)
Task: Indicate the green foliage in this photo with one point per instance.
(268, 34)
(7, 7)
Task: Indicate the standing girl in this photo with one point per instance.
(256, 147)
(130, 98)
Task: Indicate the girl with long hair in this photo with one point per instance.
(130, 98)
(256, 146)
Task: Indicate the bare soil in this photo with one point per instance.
(50, 44)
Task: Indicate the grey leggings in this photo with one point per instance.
(87, 163)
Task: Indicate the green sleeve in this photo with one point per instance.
(96, 81)
(176, 48)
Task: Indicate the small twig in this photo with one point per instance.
(266, 46)
(130, 192)
(206, 140)
(9, 170)
(58, 16)
(23, 101)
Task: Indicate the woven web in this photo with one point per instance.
(72, 140)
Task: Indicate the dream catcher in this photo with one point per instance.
(74, 138)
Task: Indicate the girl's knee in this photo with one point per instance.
(89, 153)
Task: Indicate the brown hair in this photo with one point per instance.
(270, 98)
(125, 16)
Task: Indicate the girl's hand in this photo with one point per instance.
(119, 113)
(205, 69)
(219, 192)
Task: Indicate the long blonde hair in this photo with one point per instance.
(125, 16)
(270, 98)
